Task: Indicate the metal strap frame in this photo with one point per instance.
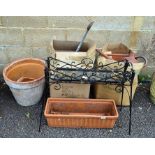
(89, 71)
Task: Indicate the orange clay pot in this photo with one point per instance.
(26, 79)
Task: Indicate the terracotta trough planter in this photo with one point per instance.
(80, 113)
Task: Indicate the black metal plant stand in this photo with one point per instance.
(89, 72)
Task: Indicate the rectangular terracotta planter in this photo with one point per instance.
(81, 113)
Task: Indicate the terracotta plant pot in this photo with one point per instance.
(26, 79)
(80, 113)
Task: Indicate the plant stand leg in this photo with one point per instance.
(122, 96)
(42, 108)
(130, 99)
(130, 121)
(45, 95)
(43, 103)
(41, 113)
(125, 69)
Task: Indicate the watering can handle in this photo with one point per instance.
(144, 59)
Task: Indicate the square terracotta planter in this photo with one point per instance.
(108, 92)
(70, 90)
(81, 113)
(65, 51)
(109, 54)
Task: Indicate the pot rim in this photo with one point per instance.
(20, 60)
(73, 100)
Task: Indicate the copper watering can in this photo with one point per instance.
(131, 56)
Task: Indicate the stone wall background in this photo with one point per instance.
(30, 36)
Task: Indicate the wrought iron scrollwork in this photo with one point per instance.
(86, 72)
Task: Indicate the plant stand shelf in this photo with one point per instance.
(89, 72)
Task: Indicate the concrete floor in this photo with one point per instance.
(18, 121)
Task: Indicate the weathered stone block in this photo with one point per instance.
(112, 22)
(3, 56)
(25, 21)
(15, 53)
(144, 40)
(40, 52)
(42, 37)
(101, 37)
(74, 34)
(11, 36)
(149, 23)
(1, 68)
(58, 34)
(36, 37)
(68, 21)
(0, 21)
(146, 48)
(119, 36)
(101, 22)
